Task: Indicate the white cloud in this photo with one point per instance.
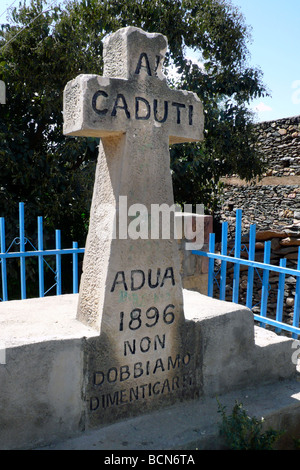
(196, 62)
(296, 94)
(172, 70)
(262, 107)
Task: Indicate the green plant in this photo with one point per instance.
(243, 432)
(296, 443)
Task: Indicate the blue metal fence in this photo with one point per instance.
(22, 242)
(277, 321)
(253, 265)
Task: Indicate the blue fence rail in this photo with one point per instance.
(253, 265)
(22, 254)
(277, 321)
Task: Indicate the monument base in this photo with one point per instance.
(45, 356)
(195, 424)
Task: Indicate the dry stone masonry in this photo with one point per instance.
(273, 204)
(280, 141)
(275, 200)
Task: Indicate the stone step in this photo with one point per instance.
(195, 424)
(44, 378)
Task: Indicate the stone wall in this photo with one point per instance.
(269, 207)
(280, 142)
(274, 201)
(273, 204)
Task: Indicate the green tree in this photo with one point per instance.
(43, 46)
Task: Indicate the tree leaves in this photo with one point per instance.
(55, 174)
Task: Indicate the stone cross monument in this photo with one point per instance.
(130, 289)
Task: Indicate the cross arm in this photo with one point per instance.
(186, 123)
(89, 102)
(96, 106)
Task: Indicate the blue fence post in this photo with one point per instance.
(251, 256)
(223, 263)
(41, 259)
(265, 282)
(58, 262)
(253, 265)
(280, 295)
(22, 249)
(75, 269)
(297, 299)
(237, 254)
(3, 261)
(211, 248)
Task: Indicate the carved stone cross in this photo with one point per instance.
(130, 287)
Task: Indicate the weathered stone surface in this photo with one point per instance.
(196, 424)
(282, 131)
(290, 301)
(137, 350)
(268, 234)
(273, 201)
(290, 242)
(268, 208)
(131, 289)
(194, 268)
(43, 382)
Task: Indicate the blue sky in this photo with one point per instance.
(275, 49)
